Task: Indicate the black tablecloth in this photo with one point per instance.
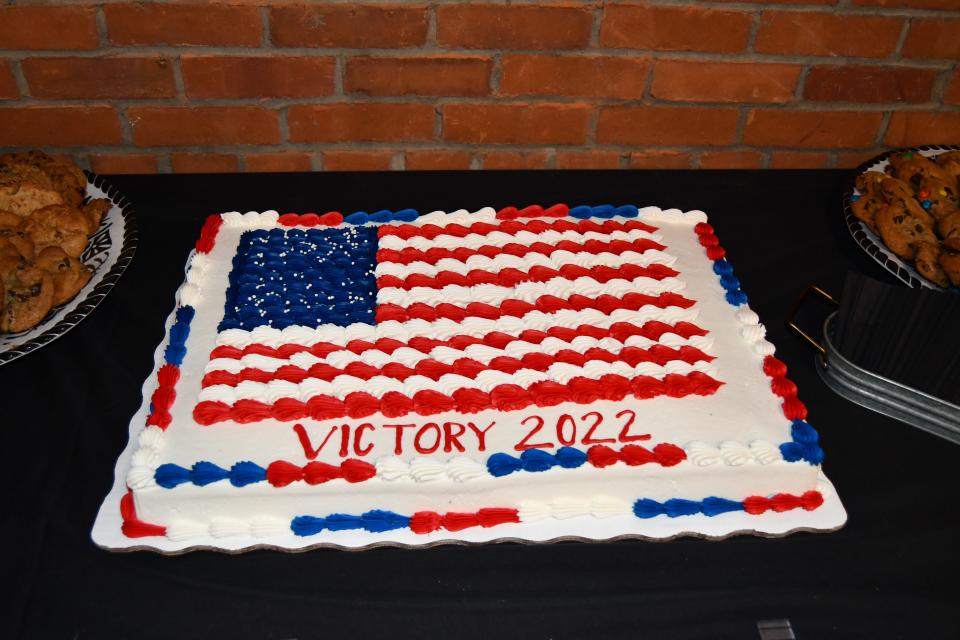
(891, 572)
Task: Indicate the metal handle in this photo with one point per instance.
(796, 307)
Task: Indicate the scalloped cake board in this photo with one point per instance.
(107, 534)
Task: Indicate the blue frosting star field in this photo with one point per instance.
(309, 277)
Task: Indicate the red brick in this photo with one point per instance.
(171, 126)
(659, 159)
(936, 39)
(203, 163)
(674, 28)
(589, 76)
(853, 83)
(257, 76)
(499, 26)
(852, 159)
(357, 160)
(827, 34)
(913, 128)
(952, 94)
(814, 129)
(499, 160)
(808, 2)
(87, 78)
(437, 159)
(909, 4)
(277, 162)
(58, 126)
(424, 75)
(126, 163)
(360, 121)
(589, 159)
(688, 80)
(354, 26)
(798, 160)
(514, 160)
(730, 159)
(65, 27)
(190, 24)
(666, 125)
(516, 123)
(8, 84)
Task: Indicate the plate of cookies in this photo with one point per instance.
(904, 211)
(66, 236)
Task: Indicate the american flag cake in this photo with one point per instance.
(415, 378)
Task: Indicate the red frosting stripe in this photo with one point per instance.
(164, 396)
(208, 233)
(281, 473)
(328, 219)
(132, 526)
(362, 404)
(783, 502)
(331, 218)
(510, 227)
(429, 402)
(462, 254)
(518, 308)
(511, 277)
(424, 522)
(664, 454)
(533, 211)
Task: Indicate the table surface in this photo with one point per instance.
(891, 572)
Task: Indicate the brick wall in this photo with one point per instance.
(271, 86)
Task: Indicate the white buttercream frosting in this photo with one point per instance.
(445, 328)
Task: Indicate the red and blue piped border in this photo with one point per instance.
(334, 218)
(425, 522)
(281, 473)
(173, 354)
(805, 439)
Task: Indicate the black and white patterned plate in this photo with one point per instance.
(867, 239)
(108, 253)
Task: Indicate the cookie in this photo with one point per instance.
(65, 177)
(69, 274)
(916, 170)
(58, 225)
(24, 197)
(897, 158)
(950, 163)
(8, 250)
(950, 260)
(896, 190)
(94, 211)
(28, 296)
(12, 228)
(927, 263)
(900, 231)
(868, 183)
(865, 209)
(949, 226)
(942, 196)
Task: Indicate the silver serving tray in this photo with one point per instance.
(883, 395)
